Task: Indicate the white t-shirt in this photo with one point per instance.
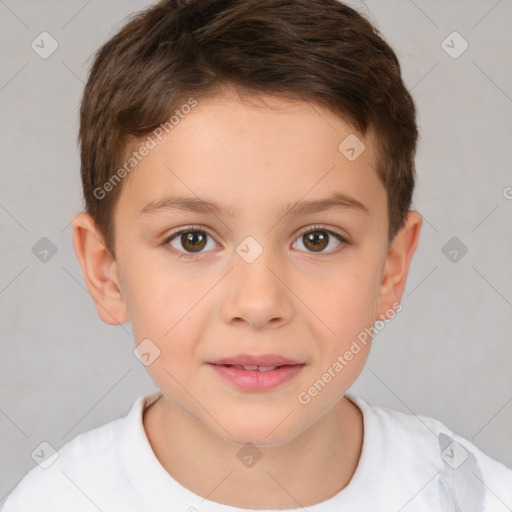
(408, 463)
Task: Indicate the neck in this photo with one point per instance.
(309, 469)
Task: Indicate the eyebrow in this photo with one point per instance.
(195, 204)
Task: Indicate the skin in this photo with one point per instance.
(254, 157)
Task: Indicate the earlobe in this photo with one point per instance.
(398, 260)
(99, 270)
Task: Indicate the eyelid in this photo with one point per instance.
(191, 227)
(319, 227)
(302, 231)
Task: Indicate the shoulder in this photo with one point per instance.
(59, 483)
(79, 474)
(465, 475)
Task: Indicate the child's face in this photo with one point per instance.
(219, 301)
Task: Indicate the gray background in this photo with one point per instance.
(447, 354)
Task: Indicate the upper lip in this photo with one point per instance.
(250, 360)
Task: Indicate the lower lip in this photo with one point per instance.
(254, 380)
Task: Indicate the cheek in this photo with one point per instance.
(160, 307)
(154, 300)
(342, 295)
(168, 309)
(157, 291)
(343, 336)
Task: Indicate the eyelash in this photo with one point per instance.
(192, 229)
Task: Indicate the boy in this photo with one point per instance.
(248, 169)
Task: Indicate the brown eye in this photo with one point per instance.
(193, 240)
(316, 240)
(189, 242)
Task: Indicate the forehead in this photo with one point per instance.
(256, 152)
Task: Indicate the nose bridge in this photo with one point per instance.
(255, 291)
(257, 265)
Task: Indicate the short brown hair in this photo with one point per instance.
(311, 50)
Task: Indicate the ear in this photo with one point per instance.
(396, 266)
(99, 270)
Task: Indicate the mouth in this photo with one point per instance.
(252, 368)
(256, 378)
(252, 362)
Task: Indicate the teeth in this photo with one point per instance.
(253, 368)
(265, 368)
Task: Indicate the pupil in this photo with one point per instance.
(318, 239)
(189, 240)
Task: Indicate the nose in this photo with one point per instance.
(257, 293)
